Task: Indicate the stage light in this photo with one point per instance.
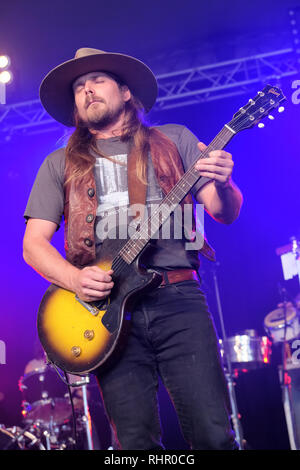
(4, 61)
(6, 77)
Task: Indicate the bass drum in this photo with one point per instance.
(16, 438)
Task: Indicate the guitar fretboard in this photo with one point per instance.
(148, 228)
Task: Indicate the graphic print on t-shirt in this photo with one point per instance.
(112, 191)
(111, 181)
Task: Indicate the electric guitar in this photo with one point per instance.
(79, 337)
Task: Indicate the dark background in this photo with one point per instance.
(168, 36)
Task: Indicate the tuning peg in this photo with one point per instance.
(271, 117)
(260, 125)
(281, 109)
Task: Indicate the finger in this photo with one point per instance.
(208, 163)
(97, 286)
(214, 176)
(214, 169)
(201, 146)
(94, 294)
(220, 154)
(93, 298)
(97, 274)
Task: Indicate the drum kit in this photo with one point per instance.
(48, 416)
(248, 351)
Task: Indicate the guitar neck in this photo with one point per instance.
(160, 215)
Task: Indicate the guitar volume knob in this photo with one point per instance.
(76, 351)
(89, 334)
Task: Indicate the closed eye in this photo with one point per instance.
(78, 88)
(80, 85)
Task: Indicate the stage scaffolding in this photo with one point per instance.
(185, 87)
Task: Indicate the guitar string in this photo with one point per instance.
(178, 186)
(119, 262)
(145, 225)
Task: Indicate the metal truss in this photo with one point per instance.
(176, 89)
(224, 79)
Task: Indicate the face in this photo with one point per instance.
(100, 101)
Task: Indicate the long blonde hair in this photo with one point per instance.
(82, 145)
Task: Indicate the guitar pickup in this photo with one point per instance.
(92, 309)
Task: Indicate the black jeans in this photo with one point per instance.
(172, 335)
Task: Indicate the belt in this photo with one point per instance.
(178, 275)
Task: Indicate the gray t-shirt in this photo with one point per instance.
(169, 250)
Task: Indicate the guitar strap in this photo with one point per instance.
(137, 189)
(168, 169)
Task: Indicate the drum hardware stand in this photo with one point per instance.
(86, 414)
(19, 437)
(47, 436)
(228, 370)
(290, 260)
(285, 383)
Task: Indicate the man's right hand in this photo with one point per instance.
(92, 283)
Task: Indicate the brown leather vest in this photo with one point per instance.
(81, 199)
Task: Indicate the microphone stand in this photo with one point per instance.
(228, 369)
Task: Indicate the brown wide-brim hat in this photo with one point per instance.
(56, 93)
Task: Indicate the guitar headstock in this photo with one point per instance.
(257, 108)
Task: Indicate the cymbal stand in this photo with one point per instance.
(228, 370)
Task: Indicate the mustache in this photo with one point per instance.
(93, 100)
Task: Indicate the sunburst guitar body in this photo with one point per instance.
(80, 337)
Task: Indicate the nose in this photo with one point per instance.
(89, 87)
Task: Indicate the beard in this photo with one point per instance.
(100, 116)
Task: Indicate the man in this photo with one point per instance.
(172, 334)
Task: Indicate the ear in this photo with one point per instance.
(126, 93)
